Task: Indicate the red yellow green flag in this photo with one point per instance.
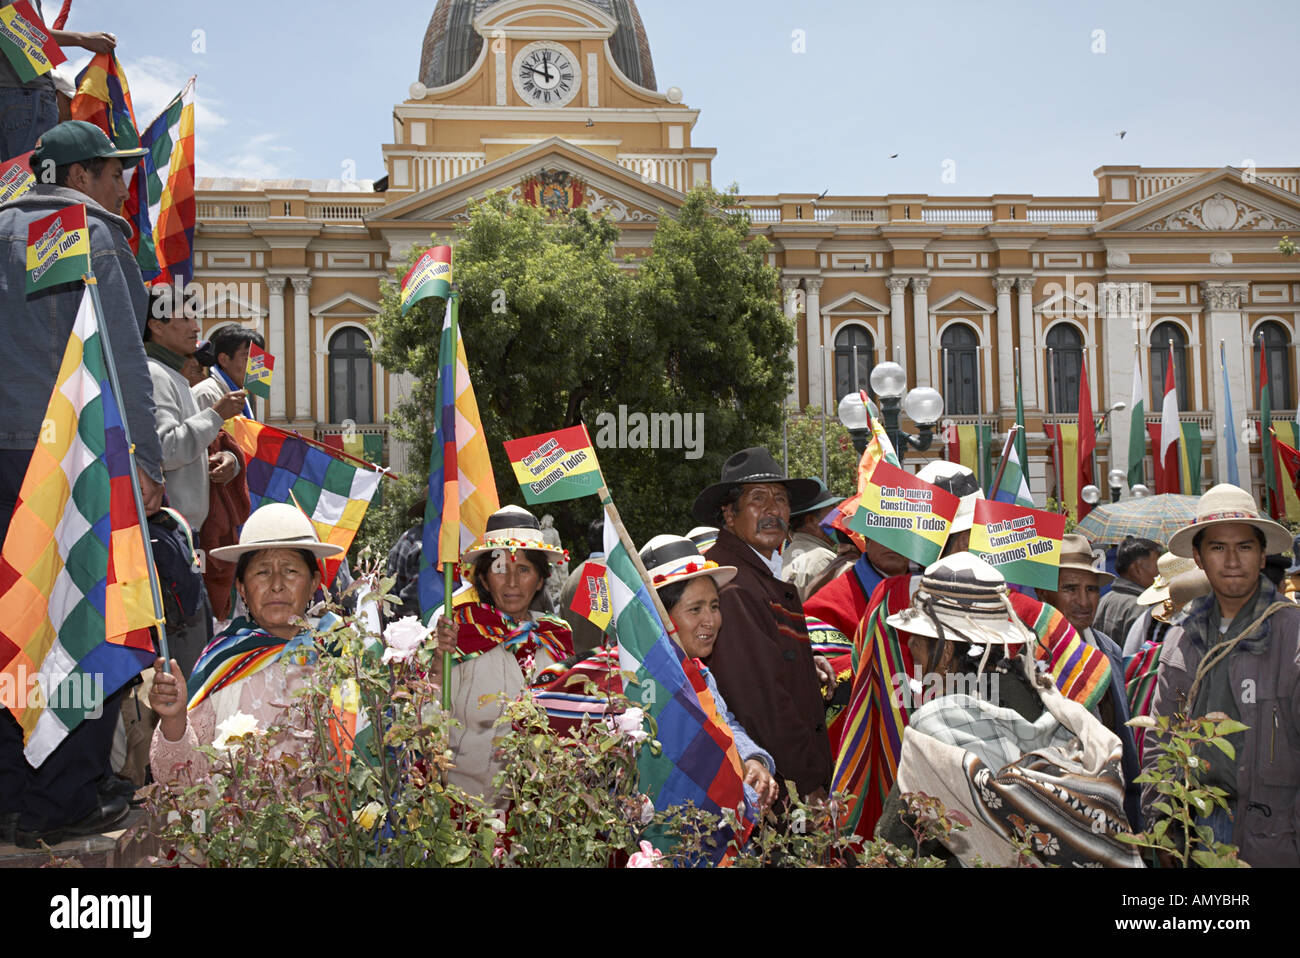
(26, 41)
(257, 376)
(591, 600)
(555, 466)
(429, 277)
(16, 177)
(904, 513)
(1024, 544)
(58, 249)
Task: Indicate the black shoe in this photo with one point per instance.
(8, 827)
(115, 786)
(109, 814)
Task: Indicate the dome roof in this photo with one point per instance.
(451, 45)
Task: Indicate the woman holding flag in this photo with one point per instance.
(253, 668)
(499, 640)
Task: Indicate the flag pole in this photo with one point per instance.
(448, 568)
(611, 511)
(92, 287)
(337, 453)
(1058, 443)
(1006, 455)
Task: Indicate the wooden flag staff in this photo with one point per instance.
(612, 516)
(92, 286)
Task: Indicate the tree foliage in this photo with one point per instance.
(557, 332)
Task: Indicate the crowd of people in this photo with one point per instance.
(817, 643)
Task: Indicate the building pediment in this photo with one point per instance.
(346, 304)
(550, 173)
(1221, 200)
(855, 304)
(961, 302)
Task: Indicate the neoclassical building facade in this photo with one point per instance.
(556, 101)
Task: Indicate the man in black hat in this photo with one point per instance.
(763, 662)
(60, 799)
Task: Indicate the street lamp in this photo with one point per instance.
(1140, 491)
(1116, 479)
(923, 405)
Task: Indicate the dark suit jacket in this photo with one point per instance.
(763, 664)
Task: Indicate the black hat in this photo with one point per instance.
(822, 498)
(748, 466)
(1295, 556)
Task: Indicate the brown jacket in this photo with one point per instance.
(1265, 671)
(763, 664)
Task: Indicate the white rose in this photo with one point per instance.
(403, 637)
(629, 724)
(237, 726)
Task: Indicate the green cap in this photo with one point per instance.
(76, 141)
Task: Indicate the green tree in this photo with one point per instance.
(803, 438)
(556, 333)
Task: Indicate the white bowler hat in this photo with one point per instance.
(277, 525)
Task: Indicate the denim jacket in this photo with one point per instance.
(34, 329)
(1264, 671)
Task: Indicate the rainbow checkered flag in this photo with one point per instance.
(75, 600)
(161, 202)
(698, 762)
(286, 468)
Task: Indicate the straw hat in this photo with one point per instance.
(670, 559)
(1188, 586)
(1077, 553)
(751, 465)
(961, 482)
(1227, 503)
(968, 598)
(1168, 566)
(277, 525)
(513, 527)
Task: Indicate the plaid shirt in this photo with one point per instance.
(404, 563)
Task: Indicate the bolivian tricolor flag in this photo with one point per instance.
(555, 466)
(904, 513)
(591, 599)
(16, 177)
(1284, 434)
(26, 41)
(1189, 459)
(58, 249)
(971, 446)
(259, 372)
(1065, 457)
(429, 277)
(1023, 544)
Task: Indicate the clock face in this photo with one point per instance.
(546, 74)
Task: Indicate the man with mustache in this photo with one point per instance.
(762, 661)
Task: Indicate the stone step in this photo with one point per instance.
(96, 851)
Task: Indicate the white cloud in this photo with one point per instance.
(218, 149)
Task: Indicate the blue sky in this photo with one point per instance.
(1011, 92)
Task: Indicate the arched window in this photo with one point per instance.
(961, 374)
(847, 340)
(1273, 339)
(351, 385)
(1066, 354)
(1162, 337)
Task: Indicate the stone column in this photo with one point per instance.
(790, 298)
(897, 320)
(322, 352)
(1006, 399)
(275, 346)
(301, 350)
(1226, 322)
(921, 330)
(813, 336)
(1028, 364)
